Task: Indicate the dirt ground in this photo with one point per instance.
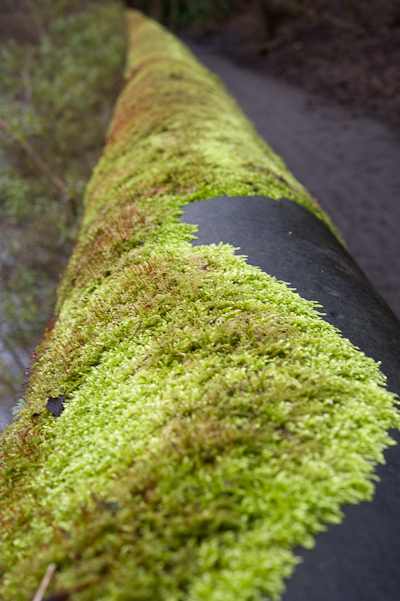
(340, 55)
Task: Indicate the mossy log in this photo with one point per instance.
(212, 421)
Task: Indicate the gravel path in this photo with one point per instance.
(350, 164)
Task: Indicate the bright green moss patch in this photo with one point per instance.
(214, 421)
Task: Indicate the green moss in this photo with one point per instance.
(214, 421)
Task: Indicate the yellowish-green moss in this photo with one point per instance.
(213, 420)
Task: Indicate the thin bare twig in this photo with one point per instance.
(51, 568)
(40, 164)
(343, 24)
(136, 331)
(309, 11)
(28, 85)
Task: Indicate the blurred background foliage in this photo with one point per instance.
(182, 13)
(61, 66)
(178, 14)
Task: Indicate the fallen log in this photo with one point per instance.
(190, 421)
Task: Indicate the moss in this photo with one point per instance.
(213, 420)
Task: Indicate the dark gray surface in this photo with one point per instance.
(359, 560)
(56, 405)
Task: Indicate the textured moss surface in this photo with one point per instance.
(213, 420)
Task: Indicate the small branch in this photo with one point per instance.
(327, 16)
(28, 86)
(136, 331)
(40, 164)
(343, 24)
(51, 568)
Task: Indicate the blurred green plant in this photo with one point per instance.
(56, 98)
